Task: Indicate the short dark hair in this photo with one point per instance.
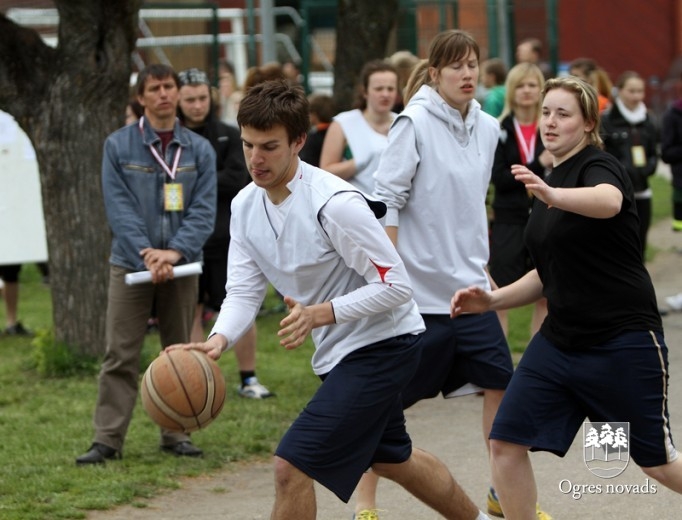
(586, 65)
(497, 68)
(135, 106)
(535, 44)
(323, 106)
(156, 71)
(272, 103)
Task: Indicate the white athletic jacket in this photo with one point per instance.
(329, 247)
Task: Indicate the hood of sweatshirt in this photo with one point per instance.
(461, 129)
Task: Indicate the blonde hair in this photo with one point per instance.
(404, 63)
(445, 49)
(514, 77)
(586, 96)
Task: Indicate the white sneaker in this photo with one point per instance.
(254, 390)
(675, 302)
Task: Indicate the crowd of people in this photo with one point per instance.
(428, 210)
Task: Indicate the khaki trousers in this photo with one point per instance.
(128, 309)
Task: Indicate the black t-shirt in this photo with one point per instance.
(592, 272)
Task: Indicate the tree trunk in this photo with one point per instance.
(68, 100)
(362, 31)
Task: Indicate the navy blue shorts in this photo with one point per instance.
(622, 380)
(468, 349)
(356, 416)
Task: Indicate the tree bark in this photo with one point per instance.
(68, 100)
(362, 31)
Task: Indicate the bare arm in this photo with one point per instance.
(392, 232)
(601, 201)
(475, 300)
(331, 156)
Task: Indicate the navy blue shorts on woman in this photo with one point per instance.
(622, 380)
(356, 416)
(468, 349)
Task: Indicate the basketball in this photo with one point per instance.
(183, 390)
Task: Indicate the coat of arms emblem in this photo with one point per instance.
(606, 447)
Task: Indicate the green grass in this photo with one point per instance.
(47, 422)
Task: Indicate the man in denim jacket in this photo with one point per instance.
(159, 186)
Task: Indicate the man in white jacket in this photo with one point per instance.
(318, 241)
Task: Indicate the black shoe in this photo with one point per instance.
(98, 454)
(183, 449)
(18, 330)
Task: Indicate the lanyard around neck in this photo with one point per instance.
(528, 148)
(176, 160)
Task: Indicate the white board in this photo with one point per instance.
(22, 224)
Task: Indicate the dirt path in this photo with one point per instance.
(451, 430)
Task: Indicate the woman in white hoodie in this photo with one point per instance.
(434, 177)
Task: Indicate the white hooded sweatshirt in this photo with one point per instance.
(434, 177)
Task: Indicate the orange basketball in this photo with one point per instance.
(183, 390)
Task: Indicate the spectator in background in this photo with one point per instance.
(582, 68)
(229, 93)
(196, 113)
(587, 70)
(292, 72)
(630, 135)
(494, 73)
(322, 112)
(134, 111)
(9, 275)
(404, 62)
(601, 82)
(159, 189)
(356, 138)
(520, 143)
(529, 50)
(266, 72)
(671, 153)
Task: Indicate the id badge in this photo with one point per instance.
(638, 156)
(172, 197)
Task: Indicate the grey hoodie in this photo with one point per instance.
(434, 178)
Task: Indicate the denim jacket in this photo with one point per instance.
(133, 188)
